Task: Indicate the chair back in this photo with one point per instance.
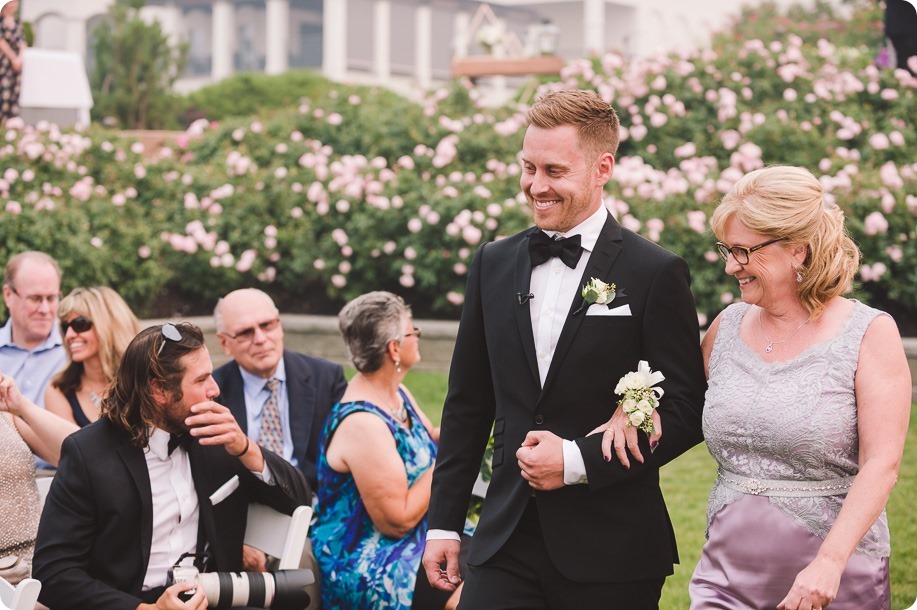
(44, 485)
(278, 535)
(23, 596)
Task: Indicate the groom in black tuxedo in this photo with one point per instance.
(165, 470)
(561, 527)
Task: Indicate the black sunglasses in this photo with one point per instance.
(168, 332)
(79, 324)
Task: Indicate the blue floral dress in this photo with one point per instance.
(360, 567)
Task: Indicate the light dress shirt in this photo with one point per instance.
(32, 369)
(256, 396)
(555, 286)
(175, 506)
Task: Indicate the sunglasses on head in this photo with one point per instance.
(169, 332)
(79, 324)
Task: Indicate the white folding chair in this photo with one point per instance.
(44, 485)
(278, 535)
(23, 596)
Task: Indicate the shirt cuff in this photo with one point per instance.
(574, 466)
(443, 535)
(266, 475)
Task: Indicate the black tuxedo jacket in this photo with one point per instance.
(615, 528)
(93, 544)
(313, 387)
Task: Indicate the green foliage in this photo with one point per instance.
(134, 70)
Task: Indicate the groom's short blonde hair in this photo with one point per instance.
(594, 118)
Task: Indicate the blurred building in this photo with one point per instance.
(398, 43)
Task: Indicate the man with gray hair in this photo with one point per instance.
(31, 350)
(280, 398)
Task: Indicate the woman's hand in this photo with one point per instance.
(815, 586)
(616, 432)
(16, 62)
(10, 396)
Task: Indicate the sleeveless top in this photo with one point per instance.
(19, 505)
(78, 415)
(788, 421)
(361, 568)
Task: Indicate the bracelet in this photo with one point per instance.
(248, 443)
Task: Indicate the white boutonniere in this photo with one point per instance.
(597, 292)
(639, 396)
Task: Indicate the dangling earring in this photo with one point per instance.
(397, 366)
(798, 275)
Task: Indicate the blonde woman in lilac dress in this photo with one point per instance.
(806, 412)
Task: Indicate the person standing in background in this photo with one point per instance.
(901, 29)
(12, 43)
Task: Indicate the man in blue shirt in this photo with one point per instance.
(31, 351)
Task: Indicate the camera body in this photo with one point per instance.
(279, 589)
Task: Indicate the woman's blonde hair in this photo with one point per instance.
(113, 322)
(789, 203)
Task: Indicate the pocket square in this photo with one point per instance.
(225, 490)
(603, 310)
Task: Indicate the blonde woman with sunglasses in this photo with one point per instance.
(96, 327)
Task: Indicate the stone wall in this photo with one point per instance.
(319, 336)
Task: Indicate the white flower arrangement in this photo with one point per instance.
(489, 36)
(639, 395)
(597, 291)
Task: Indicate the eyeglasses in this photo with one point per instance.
(79, 324)
(741, 253)
(247, 334)
(168, 332)
(416, 333)
(35, 300)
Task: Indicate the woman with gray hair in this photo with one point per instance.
(374, 468)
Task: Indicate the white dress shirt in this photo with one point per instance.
(175, 507)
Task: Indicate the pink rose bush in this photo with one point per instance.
(362, 189)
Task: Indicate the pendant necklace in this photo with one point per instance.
(771, 343)
(400, 414)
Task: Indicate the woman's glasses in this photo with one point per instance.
(741, 253)
(79, 324)
(416, 333)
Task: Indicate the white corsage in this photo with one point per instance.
(639, 397)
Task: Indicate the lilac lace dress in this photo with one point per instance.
(784, 435)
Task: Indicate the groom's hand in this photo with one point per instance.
(541, 460)
(435, 554)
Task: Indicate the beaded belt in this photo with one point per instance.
(793, 489)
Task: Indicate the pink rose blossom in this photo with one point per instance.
(875, 223)
(338, 280)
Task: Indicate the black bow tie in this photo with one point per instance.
(542, 248)
(180, 440)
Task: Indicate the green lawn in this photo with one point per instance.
(687, 481)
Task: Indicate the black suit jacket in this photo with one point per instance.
(93, 544)
(615, 528)
(313, 387)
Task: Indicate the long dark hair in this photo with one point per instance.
(130, 404)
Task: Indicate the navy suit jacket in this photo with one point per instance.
(615, 528)
(313, 386)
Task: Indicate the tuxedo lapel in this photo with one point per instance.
(136, 465)
(301, 401)
(234, 396)
(201, 472)
(606, 251)
(522, 281)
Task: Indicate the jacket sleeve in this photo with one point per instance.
(68, 530)
(468, 413)
(671, 344)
